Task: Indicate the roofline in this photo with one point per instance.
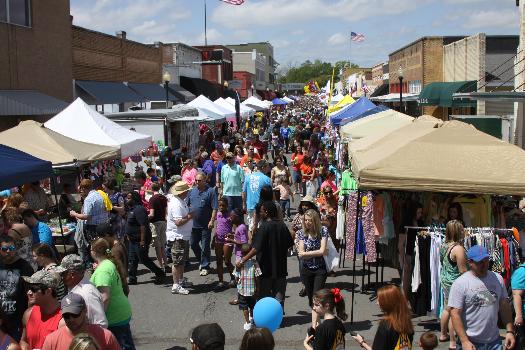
(260, 42)
(181, 44)
(113, 36)
(426, 38)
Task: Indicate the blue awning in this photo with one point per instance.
(152, 92)
(29, 102)
(353, 111)
(108, 92)
(18, 168)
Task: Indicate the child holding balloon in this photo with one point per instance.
(330, 334)
(247, 285)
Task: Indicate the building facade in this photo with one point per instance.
(252, 62)
(181, 60)
(217, 65)
(265, 49)
(421, 63)
(247, 80)
(35, 47)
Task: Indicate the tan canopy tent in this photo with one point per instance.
(379, 123)
(32, 137)
(448, 157)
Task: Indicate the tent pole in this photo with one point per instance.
(355, 256)
(54, 189)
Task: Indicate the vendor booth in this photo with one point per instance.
(347, 100)
(355, 111)
(17, 167)
(81, 122)
(379, 123)
(212, 109)
(246, 111)
(255, 103)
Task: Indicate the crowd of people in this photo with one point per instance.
(234, 197)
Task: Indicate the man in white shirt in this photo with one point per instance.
(72, 269)
(178, 234)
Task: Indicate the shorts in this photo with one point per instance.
(296, 176)
(246, 302)
(446, 292)
(251, 219)
(158, 234)
(180, 252)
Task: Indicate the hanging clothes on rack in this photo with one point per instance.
(341, 220)
(367, 218)
(351, 214)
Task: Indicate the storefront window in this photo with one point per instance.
(3, 11)
(16, 12)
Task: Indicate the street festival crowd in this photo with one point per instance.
(234, 197)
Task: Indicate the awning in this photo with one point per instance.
(19, 167)
(29, 102)
(173, 114)
(395, 97)
(183, 94)
(152, 92)
(108, 92)
(440, 94)
(201, 87)
(511, 96)
(380, 91)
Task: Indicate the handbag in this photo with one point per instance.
(331, 257)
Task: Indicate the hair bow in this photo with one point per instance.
(337, 295)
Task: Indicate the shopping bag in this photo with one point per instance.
(331, 257)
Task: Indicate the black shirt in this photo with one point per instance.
(13, 297)
(137, 217)
(386, 338)
(330, 335)
(272, 241)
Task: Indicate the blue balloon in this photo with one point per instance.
(268, 313)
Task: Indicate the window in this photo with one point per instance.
(16, 12)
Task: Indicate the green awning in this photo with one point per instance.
(440, 94)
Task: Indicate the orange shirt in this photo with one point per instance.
(297, 161)
(308, 171)
(255, 157)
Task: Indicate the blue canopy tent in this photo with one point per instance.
(17, 168)
(352, 111)
(278, 102)
(377, 109)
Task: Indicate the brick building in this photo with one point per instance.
(247, 80)
(265, 49)
(217, 63)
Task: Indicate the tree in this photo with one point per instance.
(316, 71)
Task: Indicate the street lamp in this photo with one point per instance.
(252, 87)
(167, 78)
(400, 76)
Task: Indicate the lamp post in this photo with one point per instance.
(225, 84)
(252, 87)
(400, 76)
(167, 78)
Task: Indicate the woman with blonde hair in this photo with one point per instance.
(84, 341)
(108, 281)
(395, 330)
(453, 264)
(312, 247)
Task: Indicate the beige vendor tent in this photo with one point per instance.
(32, 137)
(454, 157)
(379, 123)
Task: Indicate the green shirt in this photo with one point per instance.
(119, 308)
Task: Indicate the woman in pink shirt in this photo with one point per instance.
(189, 172)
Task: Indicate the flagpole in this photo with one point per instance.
(205, 26)
(350, 61)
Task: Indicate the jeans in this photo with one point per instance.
(285, 206)
(123, 335)
(234, 202)
(137, 254)
(273, 287)
(200, 244)
(495, 345)
(314, 280)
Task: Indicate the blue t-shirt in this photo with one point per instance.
(517, 281)
(42, 234)
(253, 183)
(285, 132)
(209, 169)
(202, 204)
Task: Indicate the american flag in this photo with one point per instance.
(234, 2)
(357, 37)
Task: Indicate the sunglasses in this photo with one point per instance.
(35, 289)
(10, 248)
(68, 316)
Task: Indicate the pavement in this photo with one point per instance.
(162, 320)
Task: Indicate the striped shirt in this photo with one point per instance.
(246, 278)
(95, 209)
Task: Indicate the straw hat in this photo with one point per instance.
(179, 188)
(308, 199)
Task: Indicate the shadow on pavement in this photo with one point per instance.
(299, 319)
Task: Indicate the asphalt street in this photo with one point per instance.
(162, 320)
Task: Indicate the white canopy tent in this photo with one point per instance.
(287, 99)
(202, 102)
(335, 99)
(82, 123)
(245, 110)
(255, 103)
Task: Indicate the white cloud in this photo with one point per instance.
(297, 32)
(502, 19)
(462, 2)
(280, 43)
(213, 35)
(338, 39)
(278, 12)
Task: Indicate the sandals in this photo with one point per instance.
(234, 302)
(442, 340)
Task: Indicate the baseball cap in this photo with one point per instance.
(71, 262)
(72, 304)
(262, 163)
(477, 253)
(46, 278)
(208, 336)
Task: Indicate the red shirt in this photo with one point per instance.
(308, 170)
(298, 157)
(38, 326)
(255, 157)
(62, 338)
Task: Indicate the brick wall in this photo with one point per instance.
(39, 57)
(247, 79)
(102, 57)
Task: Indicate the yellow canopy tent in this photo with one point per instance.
(347, 100)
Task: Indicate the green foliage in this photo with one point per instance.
(317, 71)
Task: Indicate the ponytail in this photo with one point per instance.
(102, 247)
(334, 299)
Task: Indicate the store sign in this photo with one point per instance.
(235, 84)
(292, 86)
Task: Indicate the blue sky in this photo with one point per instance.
(300, 29)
